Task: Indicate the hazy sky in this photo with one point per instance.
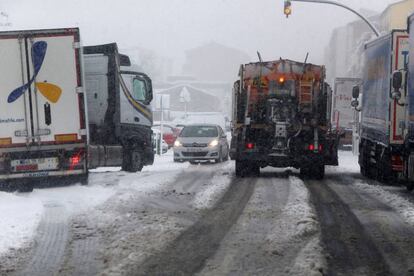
(171, 26)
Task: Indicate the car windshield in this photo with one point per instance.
(199, 131)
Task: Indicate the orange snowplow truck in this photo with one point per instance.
(281, 118)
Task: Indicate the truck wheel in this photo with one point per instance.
(410, 186)
(319, 172)
(133, 161)
(136, 161)
(304, 172)
(241, 168)
(254, 170)
(25, 187)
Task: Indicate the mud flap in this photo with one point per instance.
(331, 152)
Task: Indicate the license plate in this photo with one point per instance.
(194, 150)
(38, 164)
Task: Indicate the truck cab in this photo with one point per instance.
(119, 111)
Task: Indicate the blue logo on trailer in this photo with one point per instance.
(50, 91)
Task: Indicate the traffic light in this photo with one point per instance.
(288, 8)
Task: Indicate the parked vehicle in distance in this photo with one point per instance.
(201, 142)
(343, 115)
(169, 132)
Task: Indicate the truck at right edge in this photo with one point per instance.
(386, 147)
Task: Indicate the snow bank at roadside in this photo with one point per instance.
(75, 199)
(19, 218)
(404, 207)
(161, 163)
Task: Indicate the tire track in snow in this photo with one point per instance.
(189, 251)
(351, 250)
(51, 240)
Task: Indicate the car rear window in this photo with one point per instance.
(199, 131)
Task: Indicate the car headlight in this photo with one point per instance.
(177, 143)
(213, 143)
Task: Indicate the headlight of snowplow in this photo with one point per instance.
(177, 143)
(213, 143)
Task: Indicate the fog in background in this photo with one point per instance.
(167, 28)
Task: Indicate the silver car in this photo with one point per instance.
(201, 142)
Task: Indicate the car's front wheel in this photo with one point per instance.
(220, 157)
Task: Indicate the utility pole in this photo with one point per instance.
(288, 10)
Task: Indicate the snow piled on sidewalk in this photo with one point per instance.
(349, 163)
(403, 206)
(18, 220)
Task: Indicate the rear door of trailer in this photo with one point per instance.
(41, 104)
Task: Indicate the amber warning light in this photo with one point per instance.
(281, 80)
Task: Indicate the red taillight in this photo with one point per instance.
(75, 160)
(312, 147)
(249, 146)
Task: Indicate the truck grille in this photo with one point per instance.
(194, 154)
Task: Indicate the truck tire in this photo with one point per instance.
(137, 162)
(133, 161)
(304, 172)
(410, 186)
(318, 172)
(241, 168)
(363, 164)
(254, 170)
(25, 187)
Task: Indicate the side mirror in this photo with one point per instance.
(397, 80)
(150, 94)
(355, 92)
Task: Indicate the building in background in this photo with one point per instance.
(345, 48)
(344, 53)
(395, 16)
(184, 99)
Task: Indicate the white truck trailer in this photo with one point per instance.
(44, 126)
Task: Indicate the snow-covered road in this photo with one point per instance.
(177, 218)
